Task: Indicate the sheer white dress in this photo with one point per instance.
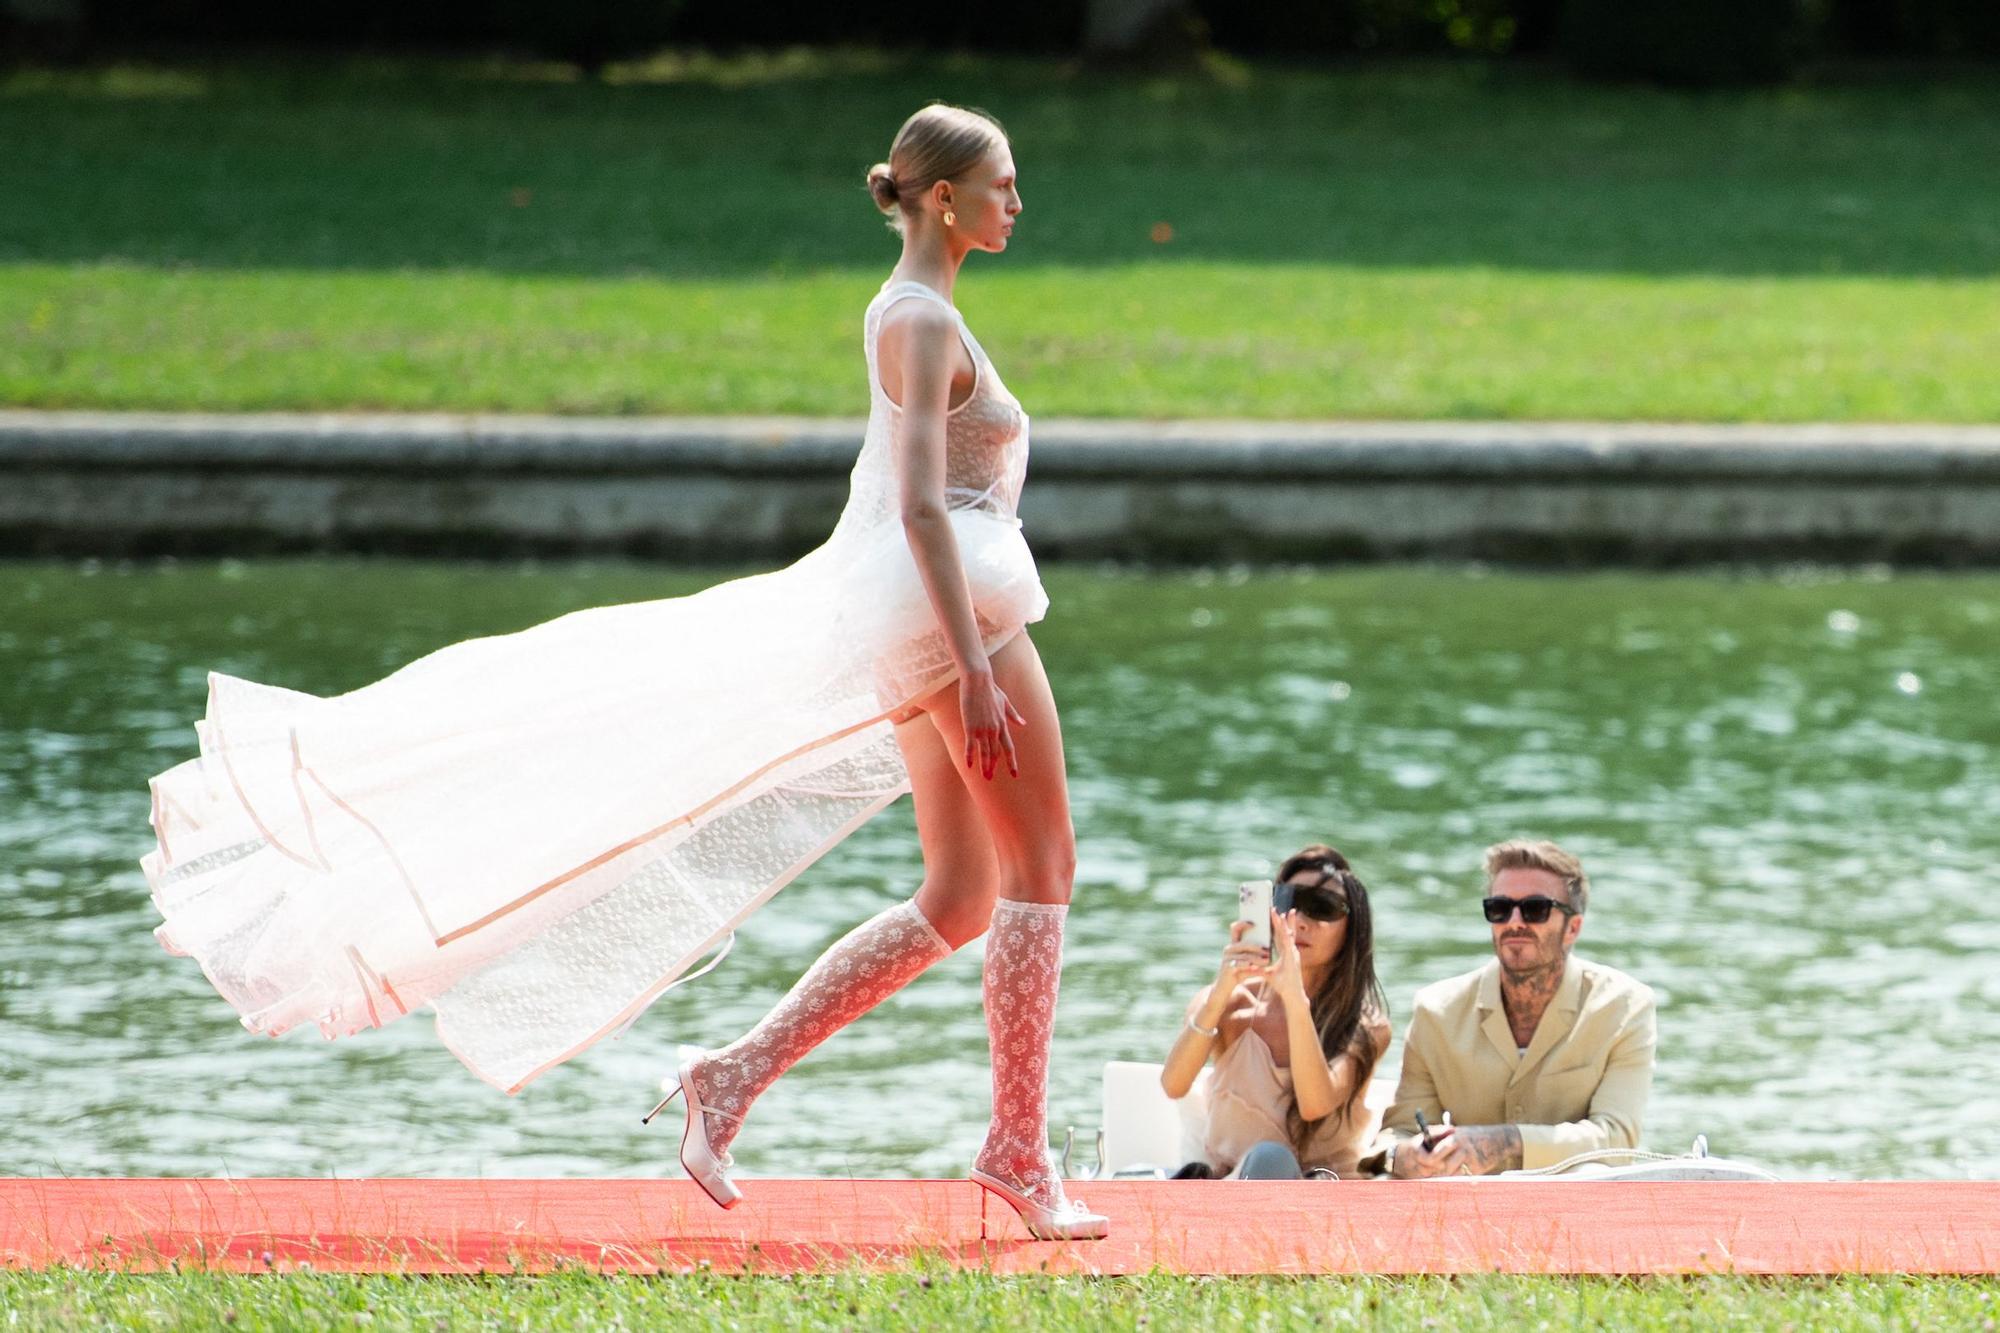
(535, 834)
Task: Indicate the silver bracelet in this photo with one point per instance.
(1193, 1026)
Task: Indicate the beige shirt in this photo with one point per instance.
(1581, 1084)
(1249, 1099)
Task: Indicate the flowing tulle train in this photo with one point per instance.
(536, 833)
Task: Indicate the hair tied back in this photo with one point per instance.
(882, 185)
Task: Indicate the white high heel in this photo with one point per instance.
(706, 1167)
(1072, 1221)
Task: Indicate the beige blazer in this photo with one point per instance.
(1581, 1085)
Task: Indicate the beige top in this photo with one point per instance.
(1249, 1097)
(1581, 1084)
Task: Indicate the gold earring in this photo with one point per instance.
(950, 217)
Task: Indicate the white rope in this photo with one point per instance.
(1631, 1155)
(1600, 1155)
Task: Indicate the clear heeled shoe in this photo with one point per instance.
(1072, 1221)
(706, 1167)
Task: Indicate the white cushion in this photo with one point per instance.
(1145, 1127)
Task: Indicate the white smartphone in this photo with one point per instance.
(1253, 904)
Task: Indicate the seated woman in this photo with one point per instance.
(1294, 1035)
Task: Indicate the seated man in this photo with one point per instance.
(1537, 1056)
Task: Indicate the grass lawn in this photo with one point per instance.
(916, 1300)
(1413, 241)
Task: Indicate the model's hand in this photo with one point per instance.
(1285, 973)
(1478, 1150)
(1240, 961)
(1416, 1162)
(984, 712)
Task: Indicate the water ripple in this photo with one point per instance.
(1789, 843)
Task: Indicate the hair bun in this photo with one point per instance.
(882, 185)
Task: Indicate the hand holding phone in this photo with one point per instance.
(1241, 960)
(1253, 905)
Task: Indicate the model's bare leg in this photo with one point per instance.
(1028, 820)
(875, 959)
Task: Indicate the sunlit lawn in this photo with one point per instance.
(1425, 241)
(944, 1299)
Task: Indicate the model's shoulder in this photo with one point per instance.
(1450, 992)
(1604, 984)
(912, 311)
(1380, 1034)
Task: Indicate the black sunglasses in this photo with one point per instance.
(1534, 910)
(1321, 902)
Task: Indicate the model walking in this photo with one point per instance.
(936, 488)
(537, 833)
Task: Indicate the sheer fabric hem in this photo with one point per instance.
(535, 983)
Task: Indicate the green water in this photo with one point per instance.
(1784, 785)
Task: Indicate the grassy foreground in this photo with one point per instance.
(919, 1300)
(1430, 241)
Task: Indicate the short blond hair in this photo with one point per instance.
(1540, 854)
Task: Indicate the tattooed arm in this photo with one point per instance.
(1482, 1150)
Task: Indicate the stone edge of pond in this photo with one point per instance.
(727, 488)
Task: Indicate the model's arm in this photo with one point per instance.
(1191, 1049)
(1312, 1077)
(1313, 1086)
(1480, 1150)
(1415, 1091)
(924, 341)
(1612, 1120)
(1349, 1079)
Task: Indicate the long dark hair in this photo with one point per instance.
(1349, 999)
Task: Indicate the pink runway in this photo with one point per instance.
(785, 1226)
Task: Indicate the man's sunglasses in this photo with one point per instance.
(1534, 910)
(1321, 902)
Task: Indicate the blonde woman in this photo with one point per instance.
(538, 833)
(932, 515)
(933, 509)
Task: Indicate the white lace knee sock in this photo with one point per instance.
(1023, 965)
(860, 970)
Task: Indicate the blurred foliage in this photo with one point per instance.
(1909, 28)
(1052, 25)
(588, 33)
(1360, 27)
(1675, 41)
(1684, 42)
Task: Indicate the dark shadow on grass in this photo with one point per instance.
(753, 165)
